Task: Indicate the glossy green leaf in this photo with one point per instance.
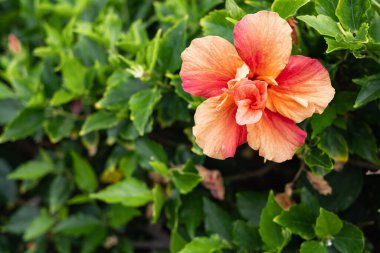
(142, 105)
(313, 247)
(234, 10)
(39, 226)
(119, 90)
(328, 224)
(79, 224)
(215, 23)
(172, 44)
(158, 202)
(61, 97)
(119, 215)
(58, 128)
(74, 74)
(212, 244)
(326, 7)
(217, 220)
(98, 121)
(246, 236)
(271, 233)
(323, 24)
(334, 144)
(362, 141)
(287, 8)
(344, 192)
(352, 13)
(84, 174)
(350, 239)
(25, 124)
(185, 181)
(319, 122)
(250, 205)
(299, 219)
(130, 192)
(318, 161)
(31, 170)
(152, 51)
(369, 91)
(59, 192)
(21, 219)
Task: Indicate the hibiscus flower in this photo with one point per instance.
(255, 91)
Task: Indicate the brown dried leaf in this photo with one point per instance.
(293, 24)
(319, 183)
(111, 241)
(212, 180)
(284, 199)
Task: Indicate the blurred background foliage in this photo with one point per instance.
(97, 153)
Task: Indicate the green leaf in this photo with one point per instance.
(313, 247)
(215, 23)
(119, 215)
(158, 202)
(334, 144)
(58, 128)
(271, 233)
(344, 101)
(76, 225)
(349, 240)
(128, 164)
(185, 182)
(160, 168)
(212, 244)
(6, 92)
(25, 124)
(250, 205)
(327, 8)
(246, 236)
(61, 97)
(84, 175)
(31, 170)
(217, 220)
(99, 120)
(323, 24)
(352, 13)
(59, 192)
(369, 91)
(21, 219)
(299, 219)
(333, 45)
(362, 141)
(172, 44)
(176, 242)
(130, 192)
(74, 75)
(152, 51)
(135, 38)
(344, 191)
(328, 224)
(287, 8)
(233, 10)
(142, 105)
(39, 226)
(319, 122)
(149, 151)
(120, 88)
(318, 161)
(192, 211)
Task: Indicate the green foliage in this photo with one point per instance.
(97, 152)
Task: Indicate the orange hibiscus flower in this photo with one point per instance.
(256, 91)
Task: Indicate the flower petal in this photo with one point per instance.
(215, 130)
(264, 42)
(275, 137)
(208, 64)
(304, 87)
